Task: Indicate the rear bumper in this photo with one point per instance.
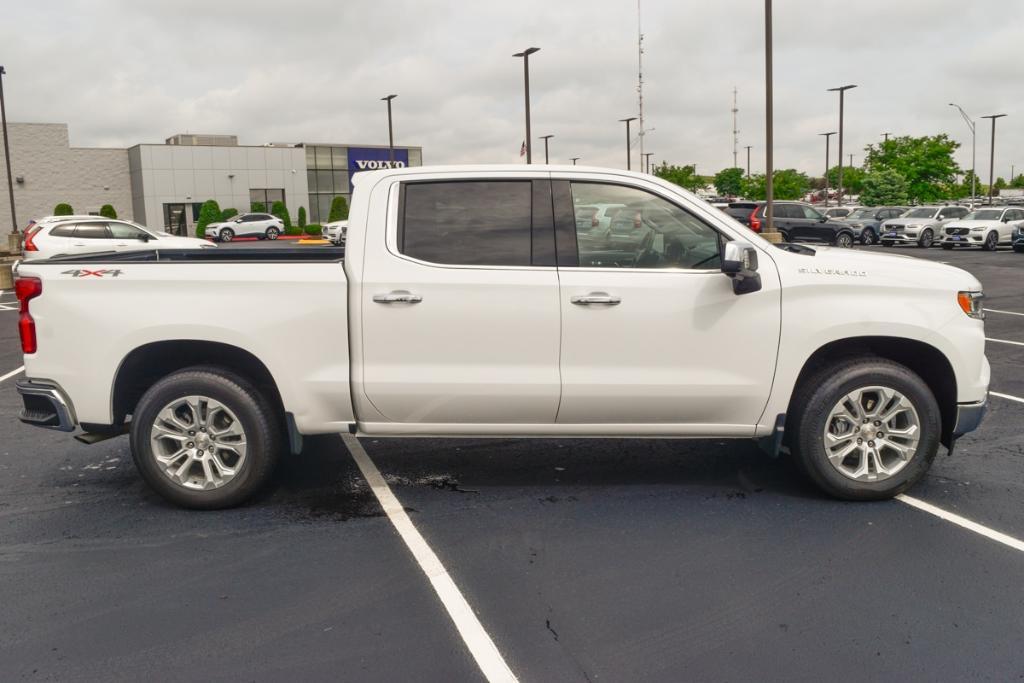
(969, 417)
(45, 405)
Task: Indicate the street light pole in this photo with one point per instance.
(842, 92)
(629, 152)
(992, 155)
(647, 161)
(769, 189)
(7, 160)
(574, 160)
(525, 54)
(748, 160)
(885, 136)
(391, 131)
(974, 150)
(827, 137)
(545, 138)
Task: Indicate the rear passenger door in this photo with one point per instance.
(460, 310)
(91, 237)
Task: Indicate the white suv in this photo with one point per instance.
(56, 235)
(987, 227)
(336, 232)
(260, 225)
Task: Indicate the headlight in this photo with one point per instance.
(977, 229)
(970, 303)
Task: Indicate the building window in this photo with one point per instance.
(266, 197)
(327, 177)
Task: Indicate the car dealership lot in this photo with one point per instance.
(581, 559)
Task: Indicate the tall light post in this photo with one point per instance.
(992, 155)
(885, 137)
(842, 92)
(647, 161)
(974, 149)
(828, 137)
(391, 130)
(769, 190)
(574, 160)
(629, 151)
(13, 239)
(525, 54)
(748, 160)
(545, 138)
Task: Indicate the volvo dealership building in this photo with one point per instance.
(164, 185)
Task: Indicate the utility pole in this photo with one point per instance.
(574, 160)
(525, 54)
(735, 131)
(827, 137)
(769, 229)
(974, 151)
(885, 136)
(842, 92)
(748, 160)
(391, 132)
(640, 74)
(13, 240)
(545, 138)
(629, 152)
(647, 161)
(992, 155)
(851, 161)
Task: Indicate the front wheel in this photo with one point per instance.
(227, 234)
(205, 438)
(844, 240)
(926, 239)
(991, 242)
(865, 430)
(272, 233)
(867, 237)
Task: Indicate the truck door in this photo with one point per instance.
(460, 314)
(658, 337)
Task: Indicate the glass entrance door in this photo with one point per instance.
(175, 220)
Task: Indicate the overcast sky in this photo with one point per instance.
(122, 72)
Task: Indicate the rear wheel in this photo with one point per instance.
(867, 236)
(865, 430)
(205, 438)
(227, 234)
(991, 241)
(272, 233)
(926, 239)
(844, 240)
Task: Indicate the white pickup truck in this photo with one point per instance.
(474, 301)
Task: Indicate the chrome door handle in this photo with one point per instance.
(596, 298)
(397, 298)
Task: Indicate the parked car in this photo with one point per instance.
(55, 235)
(986, 228)
(1018, 240)
(477, 312)
(336, 232)
(740, 210)
(921, 225)
(799, 222)
(259, 225)
(865, 221)
(838, 213)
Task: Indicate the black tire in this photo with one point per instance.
(815, 399)
(947, 247)
(991, 241)
(886, 243)
(926, 239)
(272, 233)
(867, 236)
(262, 433)
(844, 240)
(227, 234)
(1018, 249)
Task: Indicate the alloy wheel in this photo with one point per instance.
(198, 443)
(872, 433)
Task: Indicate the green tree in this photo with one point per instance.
(339, 210)
(281, 211)
(1000, 184)
(257, 207)
(107, 211)
(683, 176)
(209, 212)
(63, 210)
(729, 181)
(884, 186)
(853, 179)
(926, 163)
(228, 214)
(1018, 182)
(302, 216)
(787, 184)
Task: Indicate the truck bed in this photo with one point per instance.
(242, 255)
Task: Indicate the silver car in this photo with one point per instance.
(921, 225)
(866, 220)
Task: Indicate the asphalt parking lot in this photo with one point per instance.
(581, 559)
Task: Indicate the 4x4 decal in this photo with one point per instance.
(81, 272)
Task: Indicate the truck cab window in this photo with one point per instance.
(643, 231)
(473, 223)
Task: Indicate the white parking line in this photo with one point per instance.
(480, 645)
(1004, 341)
(1008, 397)
(991, 534)
(996, 310)
(12, 373)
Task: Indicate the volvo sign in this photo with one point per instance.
(374, 159)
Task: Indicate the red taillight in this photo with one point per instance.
(755, 222)
(29, 234)
(26, 289)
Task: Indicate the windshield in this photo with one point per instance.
(923, 212)
(984, 215)
(863, 213)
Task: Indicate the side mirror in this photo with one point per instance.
(739, 262)
(144, 237)
(238, 220)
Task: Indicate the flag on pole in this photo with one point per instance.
(522, 150)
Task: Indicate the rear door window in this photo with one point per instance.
(63, 231)
(469, 223)
(91, 231)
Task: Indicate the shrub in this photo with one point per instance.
(209, 212)
(228, 214)
(281, 211)
(314, 229)
(257, 207)
(107, 211)
(339, 210)
(63, 210)
(293, 230)
(302, 216)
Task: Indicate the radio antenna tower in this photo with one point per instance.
(735, 131)
(640, 74)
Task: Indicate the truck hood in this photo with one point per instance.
(853, 266)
